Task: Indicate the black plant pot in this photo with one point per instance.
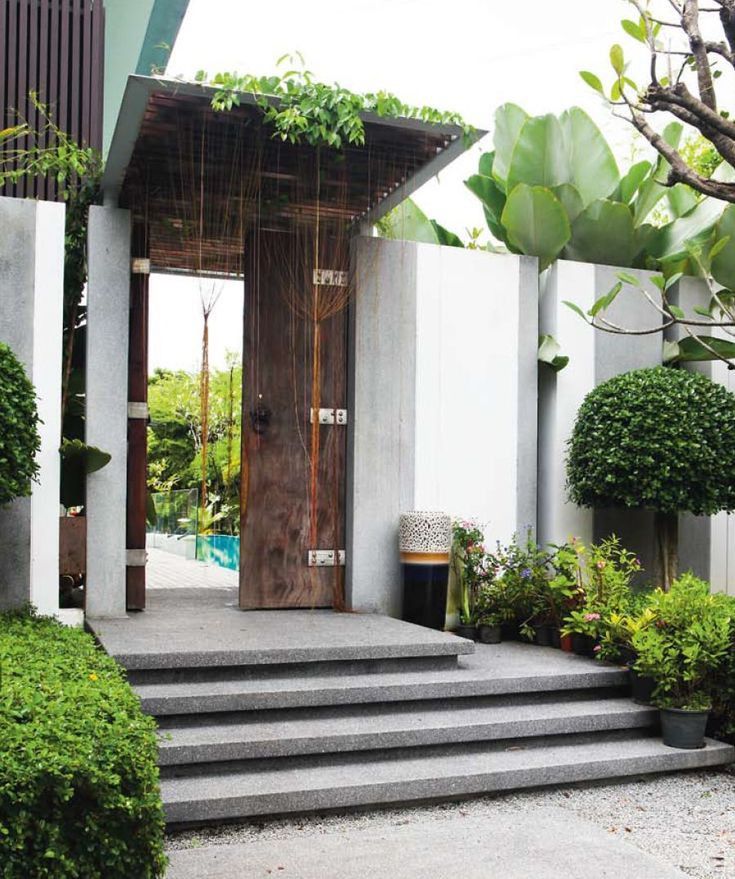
(683, 729)
(509, 631)
(466, 630)
(641, 687)
(490, 634)
(555, 637)
(583, 645)
(626, 655)
(543, 635)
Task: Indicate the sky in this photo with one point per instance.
(468, 56)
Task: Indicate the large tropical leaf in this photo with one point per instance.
(603, 233)
(594, 171)
(671, 241)
(407, 222)
(571, 200)
(493, 202)
(509, 119)
(536, 222)
(723, 263)
(444, 236)
(630, 183)
(548, 353)
(681, 199)
(691, 349)
(653, 188)
(540, 156)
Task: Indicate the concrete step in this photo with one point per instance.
(402, 725)
(304, 784)
(478, 675)
(337, 668)
(208, 637)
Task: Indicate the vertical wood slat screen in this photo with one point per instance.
(55, 48)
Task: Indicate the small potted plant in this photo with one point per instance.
(469, 563)
(584, 628)
(683, 652)
(492, 611)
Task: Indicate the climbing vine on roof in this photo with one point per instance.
(302, 110)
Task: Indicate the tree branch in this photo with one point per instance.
(690, 25)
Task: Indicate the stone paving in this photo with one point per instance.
(165, 570)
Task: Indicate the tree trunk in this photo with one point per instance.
(667, 548)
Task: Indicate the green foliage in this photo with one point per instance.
(535, 222)
(686, 645)
(408, 222)
(79, 795)
(175, 437)
(77, 460)
(302, 110)
(469, 564)
(661, 439)
(19, 439)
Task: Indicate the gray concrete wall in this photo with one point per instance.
(108, 298)
(31, 302)
(595, 356)
(443, 400)
(381, 395)
(706, 543)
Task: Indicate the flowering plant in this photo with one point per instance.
(470, 564)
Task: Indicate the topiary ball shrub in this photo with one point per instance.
(79, 790)
(661, 438)
(19, 439)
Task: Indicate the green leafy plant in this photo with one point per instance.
(605, 573)
(79, 791)
(19, 438)
(686, 646)
(302, 110)
(658, 439)
(551, 188)
(469, 561)
(521, 570)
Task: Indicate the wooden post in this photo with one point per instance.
(137, 423)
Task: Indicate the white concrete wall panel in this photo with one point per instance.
(31, 303)
(443, 400)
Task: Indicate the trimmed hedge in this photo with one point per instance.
(19, 439)
(79, 792)
(661, 438)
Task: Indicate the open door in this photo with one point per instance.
(293, 422)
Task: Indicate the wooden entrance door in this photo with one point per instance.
(293, 489)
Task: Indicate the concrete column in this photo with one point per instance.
(108, 302)
(706, 543)
(595, 356)
(31, 315)
(443, 400)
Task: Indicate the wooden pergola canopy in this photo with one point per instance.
(178, 164)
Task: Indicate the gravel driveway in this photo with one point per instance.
(686, 820)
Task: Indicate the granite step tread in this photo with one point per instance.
(397, 726)
(470, 678)
(229, 637)
(331, 782)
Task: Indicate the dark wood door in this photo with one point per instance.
(293, 471)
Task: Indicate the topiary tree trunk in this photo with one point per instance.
(667, 548)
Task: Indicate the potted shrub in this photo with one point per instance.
(683, 651)
(470, 565)
(492, 611)
(659, 439)
(521, 568)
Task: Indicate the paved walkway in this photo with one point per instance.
(543, 844)
(165, 570)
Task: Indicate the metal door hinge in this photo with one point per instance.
(140, 265)
(325, 558)
(330, 278)
(329, 416)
